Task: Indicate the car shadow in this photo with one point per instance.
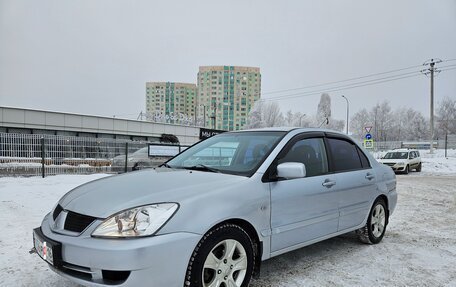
(299, 264)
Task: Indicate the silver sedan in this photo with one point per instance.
(210, 215)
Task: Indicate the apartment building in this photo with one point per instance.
(226, 94)
(222, 98)
(170, 99)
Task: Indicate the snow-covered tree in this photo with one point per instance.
(265, 114)
(388, 125)
(324, 107)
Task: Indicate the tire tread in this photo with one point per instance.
(188, 275)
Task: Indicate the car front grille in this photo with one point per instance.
(390, 164)
(77, 222)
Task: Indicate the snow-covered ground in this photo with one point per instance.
(419, 248)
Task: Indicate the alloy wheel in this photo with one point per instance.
(225, 265)
(378, 220)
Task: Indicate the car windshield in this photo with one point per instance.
(239, 153)
(396, 155)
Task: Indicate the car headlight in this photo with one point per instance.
(136, 222)
(400, 163)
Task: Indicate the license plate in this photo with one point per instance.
(46, 249)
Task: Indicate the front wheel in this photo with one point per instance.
(224, 257)
(406, 170)
(374, 230)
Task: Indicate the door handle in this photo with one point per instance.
(328, 183)
(370, 176)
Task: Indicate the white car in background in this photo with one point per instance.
(402, 160)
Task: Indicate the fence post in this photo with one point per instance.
(446, 143)
(126, 157)
(42, 157)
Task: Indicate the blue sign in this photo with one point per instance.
(368, 136)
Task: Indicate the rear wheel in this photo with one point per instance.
(374, 230)
(223, 258)
(418, 169)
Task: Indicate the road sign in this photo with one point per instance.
(368, 129)
(368, 136)
(369, 144)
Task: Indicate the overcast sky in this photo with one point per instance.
(94, 57)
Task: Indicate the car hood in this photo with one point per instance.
(393, 160)
(104, 197)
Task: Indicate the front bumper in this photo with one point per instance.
(396, 167)
(151, 261)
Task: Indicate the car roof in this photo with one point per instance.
(289, 129)
(402, 150)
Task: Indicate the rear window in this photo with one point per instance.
(364, 161)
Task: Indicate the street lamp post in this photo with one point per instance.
(214, 116)
(348, 111)
(300, 119)
(204, 114)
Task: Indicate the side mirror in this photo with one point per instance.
(290, 170)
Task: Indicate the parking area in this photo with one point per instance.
(419, 248)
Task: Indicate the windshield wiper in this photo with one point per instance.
(201, 167)
(165, 165)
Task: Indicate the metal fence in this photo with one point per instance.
(30, 154)
(449, 142)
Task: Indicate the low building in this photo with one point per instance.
(30, 121)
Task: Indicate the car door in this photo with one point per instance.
(413, 160)
(356, 182)
(303, 209)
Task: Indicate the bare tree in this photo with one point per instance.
(297, 119)
(359, 121)
(446, 116)
(382, 121)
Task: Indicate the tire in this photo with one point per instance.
(418, 169)
(374, 230)
(406, 171)
(211, 265)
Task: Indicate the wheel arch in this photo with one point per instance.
(251, 231)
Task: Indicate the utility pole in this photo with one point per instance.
(348, 110)
(431, 72)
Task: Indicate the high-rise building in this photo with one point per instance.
(172, 101)
(226, 94)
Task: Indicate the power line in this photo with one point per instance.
(341, 81)
(449, 69)
(441, 67)
(349, 86)
(378, 81)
